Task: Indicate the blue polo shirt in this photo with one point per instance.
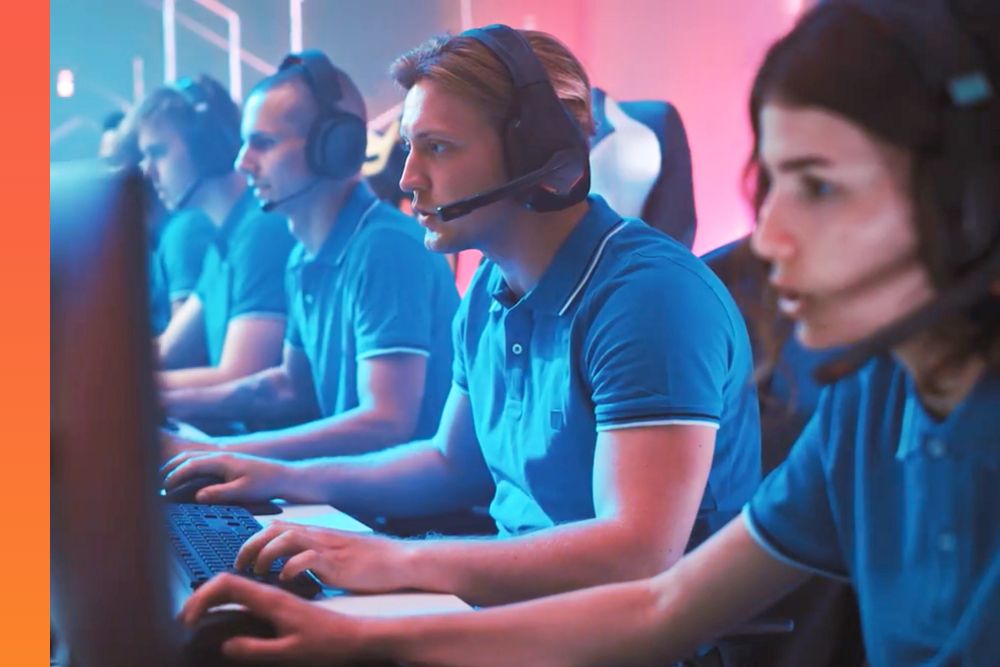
(176, 259)
(372, 289)
(904, 506)
(244, 271)
(626, 328)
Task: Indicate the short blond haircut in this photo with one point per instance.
(465, 67)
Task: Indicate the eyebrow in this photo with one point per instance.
(802, 163)
(423, 134)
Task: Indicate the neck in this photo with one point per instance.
(941, 388)
(217, 196)
(528, 243)
(316, 214)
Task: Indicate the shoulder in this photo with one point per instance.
(261, 234)
(644, 269)
(390, 236)
(187, 227)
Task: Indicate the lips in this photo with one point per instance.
(790, 302)
(423, 215)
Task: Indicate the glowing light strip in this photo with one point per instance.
(169, 40)
(138, 79)
(295, 25)
(466, 13)
(233, 19)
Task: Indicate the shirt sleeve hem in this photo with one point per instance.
(385, 351)
(758, 535)
(666, 421)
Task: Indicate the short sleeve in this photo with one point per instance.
(258, 266)
(659, 349)
(790, 515)
(293, 335)
(393, 303)
(182, 251)
(459, 364)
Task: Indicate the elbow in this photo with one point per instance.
(640, 555)
(393, 426)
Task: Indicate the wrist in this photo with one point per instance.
(421, 562)
(378, 639)
(298, 482)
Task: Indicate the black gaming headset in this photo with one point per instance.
(546, 152)
(214, 139)
(337, 140)
(963, 259)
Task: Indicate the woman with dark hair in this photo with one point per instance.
(867, 217)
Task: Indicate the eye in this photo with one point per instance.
(260, 143)
(816, 188)
(436, 147)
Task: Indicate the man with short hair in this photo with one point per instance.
(368, 338)
(601, 387)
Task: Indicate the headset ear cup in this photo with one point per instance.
(336, 145)
(315, 147)
(345, 145)
(513, 148)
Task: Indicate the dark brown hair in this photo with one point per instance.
(846, 60)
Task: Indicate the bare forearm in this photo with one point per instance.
(408, 480)
(357, 431)
(202, 376)
(620, 624)
(267, 394)
(568, 557)
(651, 621)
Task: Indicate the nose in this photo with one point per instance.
(244, 162)
(413, 177)
(772, 238)
(146, 167)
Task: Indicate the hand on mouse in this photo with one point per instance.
(357, 562)
(247, 478)
(306, 633)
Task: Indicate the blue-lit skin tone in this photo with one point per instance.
(273, 159)
(452, 153)
(455, 151)
(389, 387)
(166, 161)
(837, 227)
(647, 480)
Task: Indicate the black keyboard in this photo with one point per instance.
(206, 539)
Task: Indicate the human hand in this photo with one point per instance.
(306, 633)
(353, 561)
(247, 478)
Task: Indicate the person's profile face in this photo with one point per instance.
(837, 226)
(454, 151)
(166, 161)
(273, 155)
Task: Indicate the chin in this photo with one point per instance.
(819, 337)
(440, 243)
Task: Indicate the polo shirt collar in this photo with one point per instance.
(971, 428)
(239, 211)
(571, 268)
(350, 217)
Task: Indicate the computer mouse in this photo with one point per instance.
(204, 648)
(185, 493)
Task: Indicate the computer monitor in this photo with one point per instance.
(110, 599)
